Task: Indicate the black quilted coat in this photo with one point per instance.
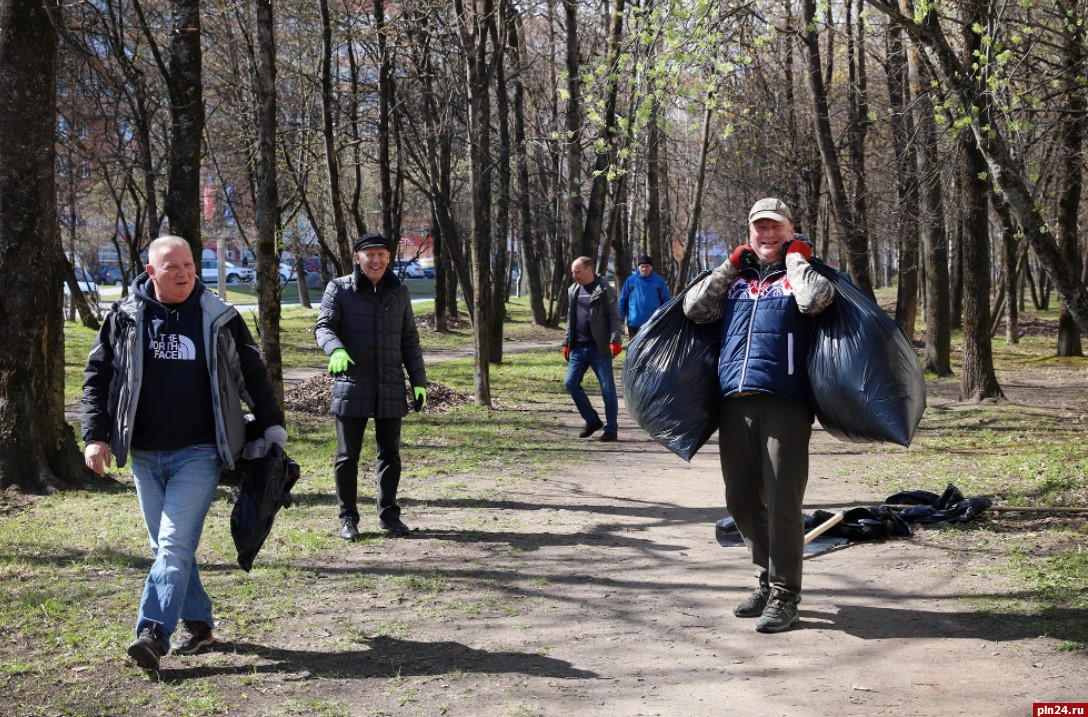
(374, 324)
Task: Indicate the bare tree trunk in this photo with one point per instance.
(977, 381)
(385, 101)
(266, 206)
(187, 125)
(858, 121)
(938, 351)
(855, 242)
(441, 274)
(38, 452)
(654, 234)
(530, 252)
(599, 191)
(474, 28)
(1011, 257)
(955, 242)
(332, 164)
(902, 129)
(696, 209)
(1071, 138)
(500, 263)
(577, 239)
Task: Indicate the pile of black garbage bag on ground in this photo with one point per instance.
(891, 519)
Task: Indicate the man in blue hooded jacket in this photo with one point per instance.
(642, 295)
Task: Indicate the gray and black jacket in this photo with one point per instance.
(375, 325)
(114, 375)
(604, 316)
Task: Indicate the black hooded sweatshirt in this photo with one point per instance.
(175, 405)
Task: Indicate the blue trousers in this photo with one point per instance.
(175, 489)
(584, 357)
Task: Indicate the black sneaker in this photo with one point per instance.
(591, 428)
(148, 648)
(753, 606)
(394, 527)
(194, 635)
(779, 615)
(349, 529)
(608, 436)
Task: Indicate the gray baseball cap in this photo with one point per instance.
(770, 208)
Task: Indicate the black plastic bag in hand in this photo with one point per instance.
(266, 485)
(670, 378)
(865, 377)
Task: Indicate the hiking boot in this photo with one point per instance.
(779, 615)
(754, 604)
(148, 648)
(194, 635)
(349, 529)
(591, 428)
(394, 527)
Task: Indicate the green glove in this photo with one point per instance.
(421, 397)
(338, 362)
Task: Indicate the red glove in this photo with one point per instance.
(615, 349)
(743, 258)
(566, 353)
(799, 246)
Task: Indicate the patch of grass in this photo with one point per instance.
(313, 708)
(1018, 456)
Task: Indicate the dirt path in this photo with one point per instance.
(602, 591)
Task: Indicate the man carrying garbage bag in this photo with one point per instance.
(765, 295)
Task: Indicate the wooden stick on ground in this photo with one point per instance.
(823, 527)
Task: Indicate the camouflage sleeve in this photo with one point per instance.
(814, 293)
(705, 302)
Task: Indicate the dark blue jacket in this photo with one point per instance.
(765, 338)
(641, 297)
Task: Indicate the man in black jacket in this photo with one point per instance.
(163, 383)
(367, 328)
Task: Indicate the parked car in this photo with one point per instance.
(428, 272)
(408, 269)
(209, 272)
(109, 276)
(87, 285)
(287, 272)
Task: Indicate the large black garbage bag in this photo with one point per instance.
(866, 380)
(670, 378)
(266, 484)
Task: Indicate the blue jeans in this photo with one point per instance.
(175, 489)
(582, 358)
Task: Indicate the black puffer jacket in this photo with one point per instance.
(375, 325)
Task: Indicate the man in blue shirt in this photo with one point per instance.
(642, 295)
